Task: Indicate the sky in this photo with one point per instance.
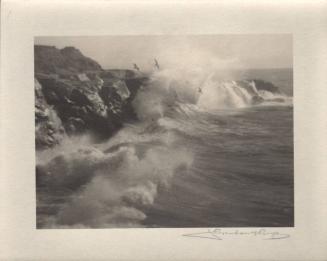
(252, 51)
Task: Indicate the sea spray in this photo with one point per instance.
(112, 183)
(110, 189)
(168, 89)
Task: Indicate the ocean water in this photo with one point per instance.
(201, 155)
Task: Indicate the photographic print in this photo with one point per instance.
(164, 131)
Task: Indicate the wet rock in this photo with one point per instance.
(48, 127)
(276, 100)
(84, 97)
(257, 99)
(265, 86)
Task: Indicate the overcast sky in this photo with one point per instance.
(221, 51)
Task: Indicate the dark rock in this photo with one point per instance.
(118, 74)
(134, 84)
(276, 100)
(266, 86)
(48, 127)
(56, 91)
(257, 99)
(49, 59)
(75, 125)
(83, 97)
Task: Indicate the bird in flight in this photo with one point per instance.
(156, 64)
(136, 67)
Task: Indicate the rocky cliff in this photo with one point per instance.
(49, 59)
(74, 95)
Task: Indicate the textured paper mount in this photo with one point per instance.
(22, 21)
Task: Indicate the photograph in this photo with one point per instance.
(164, 131)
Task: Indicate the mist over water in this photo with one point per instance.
(201, 154)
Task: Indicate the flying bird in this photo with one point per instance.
(136, 67)
(156, 64)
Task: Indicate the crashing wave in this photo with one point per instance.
(167, 90)
(110, 184)
(109, 188)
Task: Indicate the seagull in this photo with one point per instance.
(156, 64)
(136, 67)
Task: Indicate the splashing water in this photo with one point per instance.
(113, 184)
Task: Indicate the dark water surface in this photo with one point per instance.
(195, 159)
(242, 175)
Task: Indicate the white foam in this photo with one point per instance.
(111, 188)
(114, 181)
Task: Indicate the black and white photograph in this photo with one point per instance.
(164, 131)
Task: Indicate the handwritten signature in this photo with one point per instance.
(219, 234)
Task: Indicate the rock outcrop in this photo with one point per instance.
(50, 60)
(255, 86)
(265, 86)
(48, 126)
(74, 95)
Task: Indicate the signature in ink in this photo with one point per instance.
(220, 234)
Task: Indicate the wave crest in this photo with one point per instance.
(110, 189)
(168, 89)
(111, 184)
